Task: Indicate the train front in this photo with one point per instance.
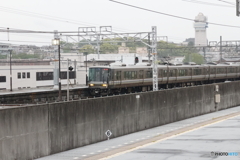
(98, 80)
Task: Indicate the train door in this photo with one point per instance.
(205, 73)
(141, 76)
(118, 81)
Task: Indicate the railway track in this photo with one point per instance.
(38, 97)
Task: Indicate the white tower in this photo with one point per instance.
(200, 26)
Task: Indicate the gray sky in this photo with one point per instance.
(122, 18)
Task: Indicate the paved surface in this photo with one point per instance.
(193, 138)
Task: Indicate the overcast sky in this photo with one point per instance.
(28, 14)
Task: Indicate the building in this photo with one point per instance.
(123, 49)
(200, 26)
(142, 51)
(34, 76)
(4, 48)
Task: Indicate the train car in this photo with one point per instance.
(104, 80)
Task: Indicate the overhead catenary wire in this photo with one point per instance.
(25, 41)
(171, 15)
(49, 17)
(207, 3)
(11, 30)
(227, 2)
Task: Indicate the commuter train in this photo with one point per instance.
(105, 80)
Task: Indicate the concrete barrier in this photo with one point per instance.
(35, 131)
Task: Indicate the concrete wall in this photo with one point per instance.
(36, 131)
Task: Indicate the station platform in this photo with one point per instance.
(41, 89)
(208, 136)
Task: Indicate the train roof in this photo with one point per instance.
(164, 66)
(123, 66)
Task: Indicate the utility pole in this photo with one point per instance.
(149, 48)
(10, 70)
(220, 49)
(98, 47)
(237, 7)
(68, 80)
(56, 69)
(204, 53)
(155, 59)
(86, 53)
(75, 66)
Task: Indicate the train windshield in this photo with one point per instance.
(99, 74)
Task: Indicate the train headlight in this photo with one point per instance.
(91, 85)
(104, 85)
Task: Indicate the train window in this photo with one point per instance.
(96, 74)
(164, 73)
(126, 75)
(23, 75)
(41, 76)
(19, 75)
(213, 70)
(141, 74)
(118, 75)
(231, 70)
(2, 78)
(172, 73)
(207, 71)
(196, 71)
(72, 75)
(133, 75)
(129, 75)
(182, 72)
(200, 71)
(148, 74)
(28, 74)
(159, 73)
(222, 70)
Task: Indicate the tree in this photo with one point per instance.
(109, 48)
(190, 43)
(25, 56)
(87, 48)
(3, 56)
(194, 57)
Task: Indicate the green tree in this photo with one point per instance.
(25, 56)
(191, 44)
(194, 57)
(87, 48)
(109, 48)
(3, 56)
(66, 47)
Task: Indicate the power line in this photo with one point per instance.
(25, 41)
(207, 3)
(170, 15)
(227, 2)
(43, 16)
